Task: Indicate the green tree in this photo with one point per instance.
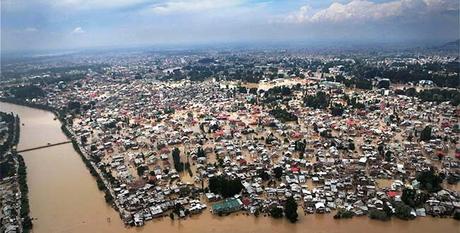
(141, 170)
(276, 212)
(225, 186)
(178, 165)
(429, 180)
(319, 101)
(337, 110)
(290, 210)
(378, 215)
(403, 211)
(278, 172)
(425, 135)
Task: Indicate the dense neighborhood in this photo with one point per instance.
(261, 133)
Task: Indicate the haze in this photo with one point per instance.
(67, 24)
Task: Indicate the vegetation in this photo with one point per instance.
(283, 115)
(337, 110)
(12, 130)
(276, 212)
(278, 171)
(362, 83)
(290, 210)
(7, 167)
(429, 180)
(279, 90)
(433, 95)
(379, 215)
(414, 199)
(225, 186)
(457, 215)
(178, 165)
(440, 95)
(403, 211)
(300, 146)
(200, 152)
(342, 213)
(385, 84)
(141, 170)
(319, 101)
(22, 180)
(404, 73)
(26, 92)
(425, 135)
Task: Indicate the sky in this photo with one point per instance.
(67, 24)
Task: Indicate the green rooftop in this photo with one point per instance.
(227, 206)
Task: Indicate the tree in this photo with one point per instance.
(278, 172)
(343, 213)
(24, 92)
(429, 180)
(403, 211)
(351, 145)
(263, 174)
(388, 156)
(384, 84)
(283, 115)
(276, 212)
(414, 199)
(200, 152)
(337, 110)
(457, 215)
(378, 215)
(225, 186)
(363, 83)
(290, 210)
(299, 146)
(178, 165)
(141, 170)
(318, 101)
(425, 135)
(408, 196)
(381, 149)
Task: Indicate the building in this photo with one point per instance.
(228, 205)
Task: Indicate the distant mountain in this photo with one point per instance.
(453, 46)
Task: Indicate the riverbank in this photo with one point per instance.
(13, 186)
(102, 184)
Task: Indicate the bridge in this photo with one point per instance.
(41, 147)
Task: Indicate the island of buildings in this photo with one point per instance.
(14, 203)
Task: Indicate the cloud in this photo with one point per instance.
(186, 6)
(71, 5)
(95, 4)
(30, 29)
(364, 10)
(78, 30)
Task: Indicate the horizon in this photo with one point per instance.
(316, 46)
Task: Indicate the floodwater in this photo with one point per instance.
(64, 197)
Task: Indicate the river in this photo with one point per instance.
(64, 197)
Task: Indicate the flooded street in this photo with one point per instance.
(64, 196)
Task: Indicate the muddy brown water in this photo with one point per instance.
(64, 197)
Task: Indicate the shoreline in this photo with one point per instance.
(102, 185)
(19, 177)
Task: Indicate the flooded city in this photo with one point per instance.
(64, 197)
(230, 116)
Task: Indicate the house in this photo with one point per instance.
(227, 206)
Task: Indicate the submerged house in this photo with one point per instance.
(228, 205)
